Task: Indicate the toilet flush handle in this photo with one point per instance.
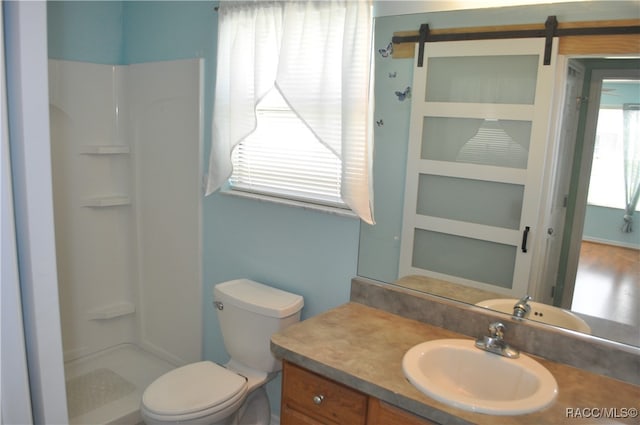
(218, 305)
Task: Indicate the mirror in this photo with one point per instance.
(380, 244)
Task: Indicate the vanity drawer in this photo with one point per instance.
(322, 400)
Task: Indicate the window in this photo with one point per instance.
(606, 186)
(284, 159)
(317, 146)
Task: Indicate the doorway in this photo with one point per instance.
(613, 272)
(590, 280)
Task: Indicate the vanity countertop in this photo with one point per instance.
(362, 347)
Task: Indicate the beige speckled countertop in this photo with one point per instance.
(362, 347)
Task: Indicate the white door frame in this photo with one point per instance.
(25, 32)
(14, 392)
(582, 192)
(559, 163)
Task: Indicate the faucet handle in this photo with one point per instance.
(525, 299)
(521, 308)
(496, 329)
(495, 343)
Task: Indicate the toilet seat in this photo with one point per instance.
(192, 391)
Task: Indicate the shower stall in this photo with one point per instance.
(126, 143)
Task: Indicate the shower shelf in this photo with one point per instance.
(104, 149)
(106, 201)
(112, 311)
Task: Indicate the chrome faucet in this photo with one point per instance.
(494, 343)
(521, 308)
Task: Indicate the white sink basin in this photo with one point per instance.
(455, 372)
(540, 313)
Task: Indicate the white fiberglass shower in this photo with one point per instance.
(126, 157)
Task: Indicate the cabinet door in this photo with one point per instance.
(290, 416)
(312, 399)
(478, 136)
(381, 413)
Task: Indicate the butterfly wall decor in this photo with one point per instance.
(387, 51)
(402, 95)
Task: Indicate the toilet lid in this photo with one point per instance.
(192, 388)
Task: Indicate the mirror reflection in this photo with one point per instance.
(590, 281)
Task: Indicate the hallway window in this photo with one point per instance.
(606, 186)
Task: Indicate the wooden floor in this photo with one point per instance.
(608, 283)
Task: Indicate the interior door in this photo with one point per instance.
(478, 134)
(553, 237)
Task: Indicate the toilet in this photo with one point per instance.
(205, 393)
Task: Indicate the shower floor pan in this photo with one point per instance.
(106, 387)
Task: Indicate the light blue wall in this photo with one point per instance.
(310, 253)
(170, 30)
(602, 224)
(88, 31)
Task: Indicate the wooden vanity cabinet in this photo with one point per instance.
(308, 398)
(381, 413)
(311, 399)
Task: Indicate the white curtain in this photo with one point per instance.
(631, 155)
(318, 55)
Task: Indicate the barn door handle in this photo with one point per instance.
(525, 235)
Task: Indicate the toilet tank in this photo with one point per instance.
(249, 313)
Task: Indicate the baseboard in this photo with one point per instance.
(610, 242)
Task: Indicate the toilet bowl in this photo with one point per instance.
(198, 393)
(205, 393)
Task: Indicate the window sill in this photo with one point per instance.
(341, 212)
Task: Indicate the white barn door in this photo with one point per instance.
(479, 127)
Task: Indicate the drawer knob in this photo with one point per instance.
(318, 399)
